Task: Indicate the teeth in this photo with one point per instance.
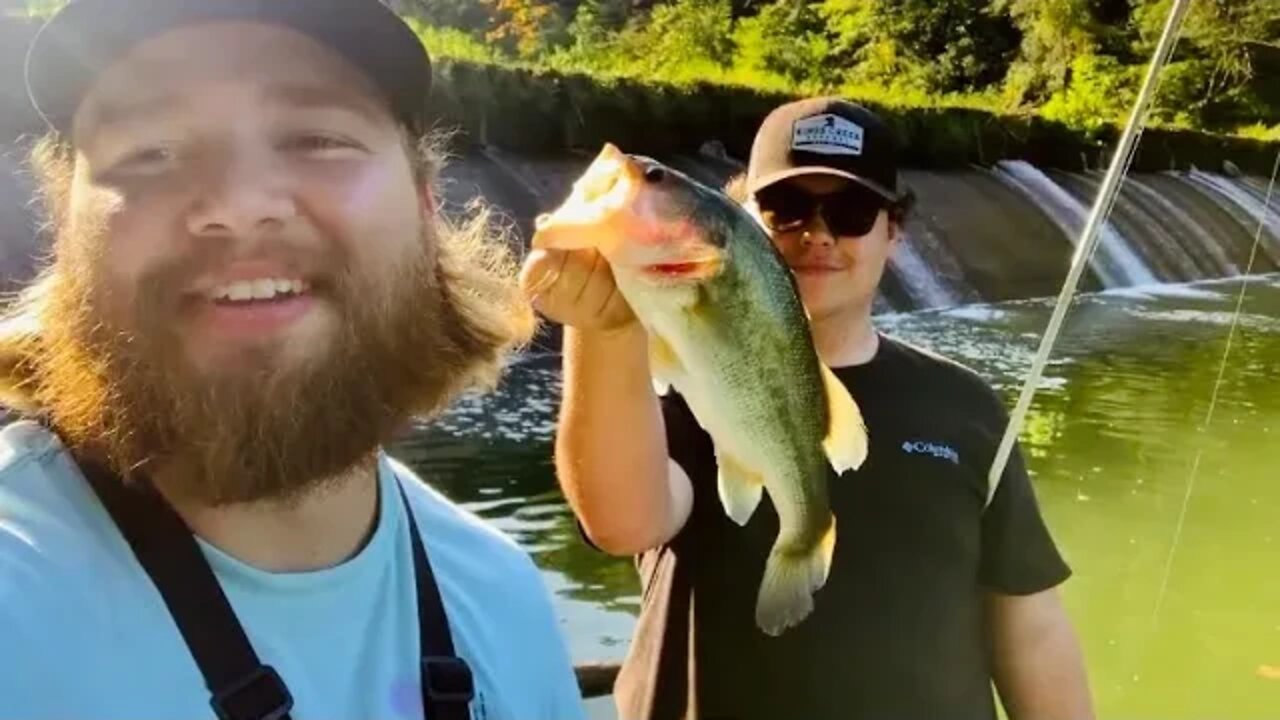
(260, 289)
(240, 291)
(263, 289)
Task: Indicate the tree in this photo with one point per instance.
(926, 44)
(787, 38)
(1209, 80)
(526, 27)
(683, 39)
(1054, 34)
(470, 15)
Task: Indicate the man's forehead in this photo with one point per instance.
(281, 63)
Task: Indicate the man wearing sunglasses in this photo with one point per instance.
(933, 594)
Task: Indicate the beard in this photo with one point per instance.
(117, 384)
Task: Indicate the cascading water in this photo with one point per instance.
(978, 234)
(1115, 262)
(1248, 199)
(1207, 257)
(921, 281)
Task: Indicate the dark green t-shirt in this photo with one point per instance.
(898, 632)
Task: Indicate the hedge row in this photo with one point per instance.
(545, 112)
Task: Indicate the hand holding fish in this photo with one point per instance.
(575, 288)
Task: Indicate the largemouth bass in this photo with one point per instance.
(727, 330)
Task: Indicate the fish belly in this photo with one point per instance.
(752, 381)
(758, 418)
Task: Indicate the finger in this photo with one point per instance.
(576, 274)
(597, 288)
(597, 263)
(541, 271)
(616, 311)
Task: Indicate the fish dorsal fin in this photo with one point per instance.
(740, 488)
(846, 439)
(664, 364)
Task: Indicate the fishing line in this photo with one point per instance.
(1213, 397)
(1120, 162)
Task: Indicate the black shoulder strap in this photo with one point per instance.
(447, 685)
(240, 686)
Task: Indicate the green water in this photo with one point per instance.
(1172, 526)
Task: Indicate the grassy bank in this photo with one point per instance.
(540, 110)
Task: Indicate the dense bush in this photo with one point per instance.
(536, 110)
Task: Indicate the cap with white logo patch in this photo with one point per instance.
(826, 136)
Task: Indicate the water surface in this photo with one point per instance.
(1170, 517)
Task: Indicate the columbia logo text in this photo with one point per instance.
(942, 452)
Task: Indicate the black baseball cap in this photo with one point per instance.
(86, 36)
(825, 136)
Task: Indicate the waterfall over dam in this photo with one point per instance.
(978, 234)
(981, 233)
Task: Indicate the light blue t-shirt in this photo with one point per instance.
(84, 633)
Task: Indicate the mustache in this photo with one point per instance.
(326, 268)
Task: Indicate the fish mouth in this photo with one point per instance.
(684, 270)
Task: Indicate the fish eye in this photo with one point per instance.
(655, 174)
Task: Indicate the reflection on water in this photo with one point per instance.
(1172, 527)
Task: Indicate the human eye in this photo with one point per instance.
(319, 144)
(144, 160)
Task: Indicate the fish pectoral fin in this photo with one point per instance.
(740, 488)
(846, 441)
(664, 364)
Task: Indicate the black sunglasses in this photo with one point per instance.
(848, 212)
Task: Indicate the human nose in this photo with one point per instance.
(816, 233)
(240, 196)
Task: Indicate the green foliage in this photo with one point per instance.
(686, 38)
(1071, 61)
(1075, 61)
(525, 27)
(787, 39)
(454, 43)
(678, 42)
(1259, 131)
(1101, 93)
(469, 15)
(935, 46)
(1210, 81)
(1054, 34)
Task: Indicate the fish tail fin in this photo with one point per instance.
(791, 576)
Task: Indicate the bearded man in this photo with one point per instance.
(251, 292)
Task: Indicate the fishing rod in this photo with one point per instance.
(1119, 167)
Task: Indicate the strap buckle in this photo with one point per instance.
(260, 695)
(448, 680)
